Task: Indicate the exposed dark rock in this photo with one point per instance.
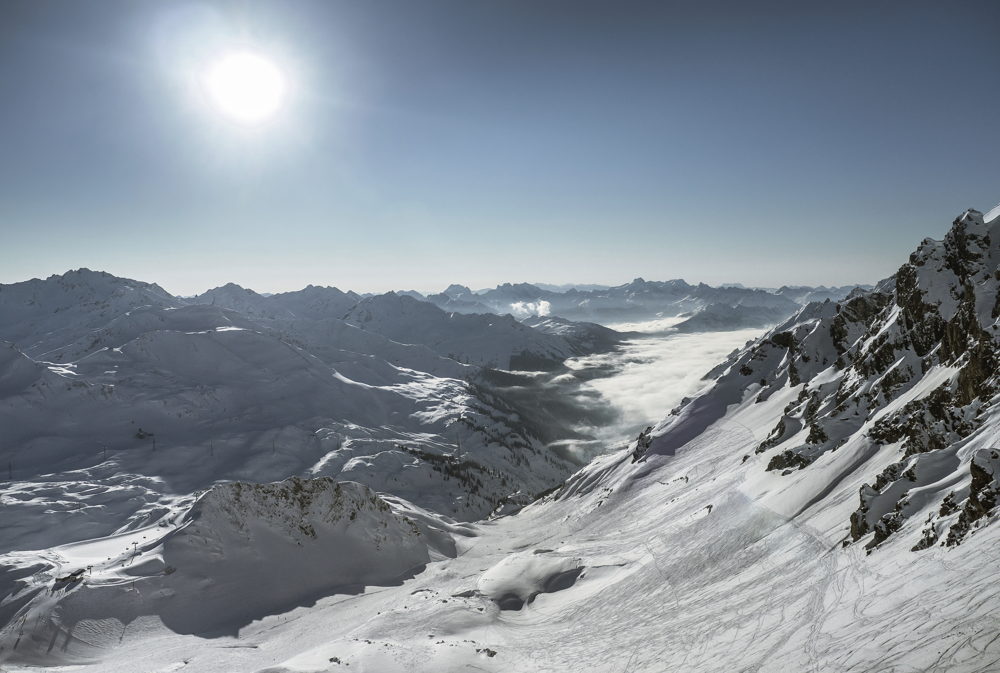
(787, 460)
(642, 444)
(983, 493)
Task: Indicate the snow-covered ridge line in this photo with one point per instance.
(893, 390)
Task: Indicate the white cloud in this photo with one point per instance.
(653, 374)
(526, 309)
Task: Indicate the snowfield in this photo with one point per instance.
(639, 566)
(827, 501)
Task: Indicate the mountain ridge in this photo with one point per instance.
(911, 364)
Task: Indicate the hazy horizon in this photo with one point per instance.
(431, 290)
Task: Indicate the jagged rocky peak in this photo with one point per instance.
(516, 291)
(910, 367)
(456, 290)
(82, 274)
(317, 291)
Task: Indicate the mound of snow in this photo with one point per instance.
(516, 580)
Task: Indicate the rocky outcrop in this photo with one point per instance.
(983, 492)
(911, 365)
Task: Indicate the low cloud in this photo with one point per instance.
(652, 375)
(605, 400)
(526, 309)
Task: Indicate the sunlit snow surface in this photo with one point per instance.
(658, 566)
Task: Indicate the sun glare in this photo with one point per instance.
(246, 87)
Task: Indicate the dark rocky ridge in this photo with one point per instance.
(913, 363)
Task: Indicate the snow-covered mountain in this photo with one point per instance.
(585, 336)
(237, 552)
(135, 399)
(804, 294)
(41, 315)
(889, 394)
(309, 303)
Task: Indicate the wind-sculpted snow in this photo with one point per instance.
(518, 579)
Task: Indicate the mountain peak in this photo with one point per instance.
(456, 290)
(231, 288)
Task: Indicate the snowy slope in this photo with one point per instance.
(729, 537)
(888, 394)
(40, 315)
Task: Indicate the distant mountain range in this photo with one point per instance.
(639, 300)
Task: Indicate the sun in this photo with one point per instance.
(246, 87)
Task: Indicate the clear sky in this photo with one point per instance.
(425, 142)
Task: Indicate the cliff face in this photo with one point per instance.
(905, 377)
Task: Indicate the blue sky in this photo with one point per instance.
(430, 142)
